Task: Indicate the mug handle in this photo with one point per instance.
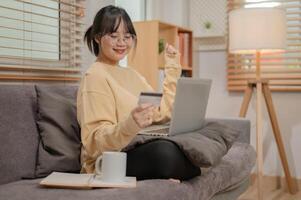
(97, 165)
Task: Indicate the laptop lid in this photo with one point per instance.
(190, 105)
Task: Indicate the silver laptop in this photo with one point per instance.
(189, 108)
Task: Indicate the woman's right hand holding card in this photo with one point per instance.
(143, 115)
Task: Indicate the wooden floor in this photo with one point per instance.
(277, 194)
(273, 190)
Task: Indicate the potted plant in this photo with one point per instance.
(161, 45)
(207, 25)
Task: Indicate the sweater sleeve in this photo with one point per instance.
(100, 130)
(172, 73)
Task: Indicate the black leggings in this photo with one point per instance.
(159, 159)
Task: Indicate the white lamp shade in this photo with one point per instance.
(257, 29)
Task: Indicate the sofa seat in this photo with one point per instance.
(20, 149)
(233, 169)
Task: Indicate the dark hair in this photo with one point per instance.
(106, 21)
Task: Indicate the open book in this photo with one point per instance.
(70, 180)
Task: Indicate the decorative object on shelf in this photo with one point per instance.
(208, 21)
(254, 31)
(161, 45)
(207, 25)
(208, 17)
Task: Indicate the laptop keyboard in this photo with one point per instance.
(163, 130)
(158, 132)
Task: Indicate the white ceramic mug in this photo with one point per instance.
(113, 166)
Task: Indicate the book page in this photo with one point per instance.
(129, 182)
(67, 180)
(71, 180)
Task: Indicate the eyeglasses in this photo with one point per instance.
(115, 37)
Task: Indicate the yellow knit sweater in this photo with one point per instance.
(105, 99)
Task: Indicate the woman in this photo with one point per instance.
(107, 103)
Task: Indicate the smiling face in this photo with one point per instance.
(115, 46)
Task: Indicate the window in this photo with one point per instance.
(29, 31)
(40, 40)
(282, 69)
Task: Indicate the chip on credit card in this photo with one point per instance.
(150, 97)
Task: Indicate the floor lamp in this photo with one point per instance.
(256, 31)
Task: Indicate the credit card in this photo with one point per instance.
(150, 97)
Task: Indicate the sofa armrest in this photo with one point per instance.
(241, 124)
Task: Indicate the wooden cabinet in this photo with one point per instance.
(146, 58)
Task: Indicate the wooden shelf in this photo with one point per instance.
(35, 68)
(39, 78)
(187, 68)
(183, 68)
(146, 58)
(208, 36)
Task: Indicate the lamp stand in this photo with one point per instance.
(262, 87)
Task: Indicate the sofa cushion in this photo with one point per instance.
(204, 147)
(18, 132)
(59, 148)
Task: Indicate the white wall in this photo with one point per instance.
(134, 8)
(172, 11)
(92, 7)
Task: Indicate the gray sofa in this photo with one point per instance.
(19, 144)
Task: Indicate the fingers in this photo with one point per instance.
(143, 115)
(146, 106)
(143, 121)
(170, 50)
(143, 106)
(146, 122)
(147, 112)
